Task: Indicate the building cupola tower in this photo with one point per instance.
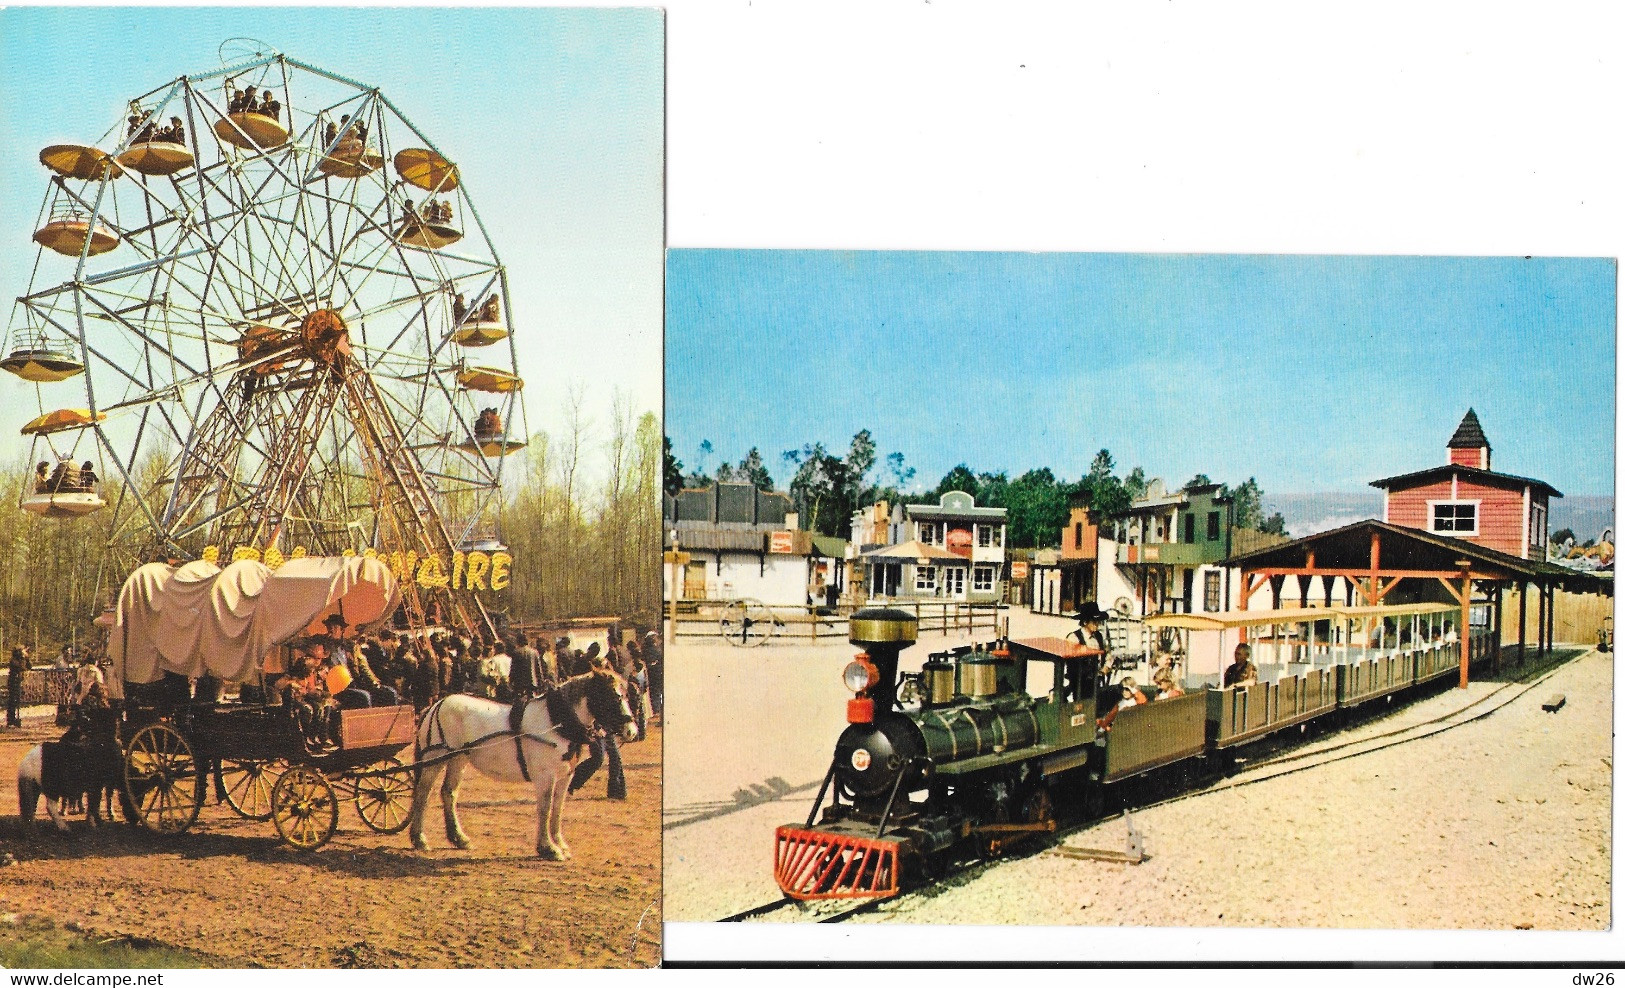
(1469, 447)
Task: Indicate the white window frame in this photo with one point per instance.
(953, 581)
(925, 579)
(998, 536)
(1455, 502)
(928, 532)
(1212, 591)
(1537, 525)
(984, 536)
(983, 578)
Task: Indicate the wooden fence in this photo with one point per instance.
(1577, 617)
(946, 617)
(42, 686)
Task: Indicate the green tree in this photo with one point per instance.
(1105, 492)
(960, 478)
(1249, 502)
(901, 474)
(673, 482)
(1037, 502)
(1134, 485)
(827, 489)
(1200, 480)
(752, 469)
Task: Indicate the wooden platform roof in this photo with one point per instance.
(1408, 551)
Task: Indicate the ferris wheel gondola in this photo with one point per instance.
(266, 363)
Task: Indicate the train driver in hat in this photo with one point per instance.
(1089, 633)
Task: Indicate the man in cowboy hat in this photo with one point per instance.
(1089, 633)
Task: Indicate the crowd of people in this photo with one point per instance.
(244, 102)
(65, 479)
(333, 672)
(143, 129)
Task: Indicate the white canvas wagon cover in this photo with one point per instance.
(201, 618)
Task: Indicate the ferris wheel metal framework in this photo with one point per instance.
(280, 355)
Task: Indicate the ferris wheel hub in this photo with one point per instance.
(325, 335)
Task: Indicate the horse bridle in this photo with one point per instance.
(597, 696)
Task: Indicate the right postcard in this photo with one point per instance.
(1139, 590)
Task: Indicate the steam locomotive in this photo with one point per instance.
(965, 756)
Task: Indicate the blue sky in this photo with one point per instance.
(1311, 373)
(555, 118)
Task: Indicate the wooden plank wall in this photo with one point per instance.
(1578, 616)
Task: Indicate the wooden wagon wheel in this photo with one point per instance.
(747, 622)
(162, 781)
(384, 801)
(248, 785)
(304, 808)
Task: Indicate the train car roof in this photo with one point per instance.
(1290, 615)
(1240, 619)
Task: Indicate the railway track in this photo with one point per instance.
(831, 911)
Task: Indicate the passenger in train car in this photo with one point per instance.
(1241, 672)
(1128, 695)
(1166, 683)
(1449, 636)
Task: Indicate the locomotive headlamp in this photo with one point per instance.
(860, 674)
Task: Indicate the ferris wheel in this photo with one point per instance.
(264, 313)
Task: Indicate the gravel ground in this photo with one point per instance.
(1500, 823)
(230, 890)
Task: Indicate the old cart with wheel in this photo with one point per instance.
(257, 753)
(268, 773)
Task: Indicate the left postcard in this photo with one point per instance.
(331, 568)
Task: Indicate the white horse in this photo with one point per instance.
(550, 735)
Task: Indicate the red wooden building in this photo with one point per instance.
(1465, 499)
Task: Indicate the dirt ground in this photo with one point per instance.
(230, 890)
(1501, 823)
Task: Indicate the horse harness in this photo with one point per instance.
(565, 725)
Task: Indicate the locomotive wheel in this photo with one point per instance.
(384, 802)
(746, 622)
(1039, 808)
(163, 782)
(248, 787)
(305, 808)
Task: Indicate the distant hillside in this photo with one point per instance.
(1586, 514)
(1318, 511)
